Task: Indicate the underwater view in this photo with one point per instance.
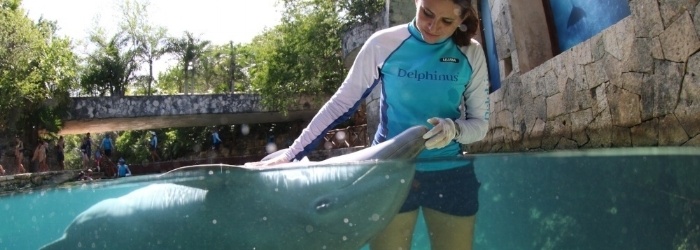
(640, 198)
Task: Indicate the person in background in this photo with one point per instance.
(39, 156)
(153, 147)
(106, 146)
(60, 157)
(216, 140)
(122, 168)
(19, 155)
(2, 155)
(88, 146)
(98, 160)
(431, 73)
(85, 175)
(46, 148)
(84, 149)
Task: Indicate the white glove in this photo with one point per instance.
(441, 134)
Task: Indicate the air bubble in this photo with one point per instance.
(271, 147)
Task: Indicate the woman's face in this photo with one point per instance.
(437, 19)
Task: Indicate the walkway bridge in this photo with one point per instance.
(105, 114)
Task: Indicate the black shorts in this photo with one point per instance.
(108, 152)
(452, 191)
(59, 156)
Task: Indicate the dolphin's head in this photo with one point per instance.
(344, 200)
(339, 203)
(342, 203)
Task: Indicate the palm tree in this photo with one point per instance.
(148, 40)
(188, 49)
(111, 67)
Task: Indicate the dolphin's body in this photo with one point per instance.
(339, 203)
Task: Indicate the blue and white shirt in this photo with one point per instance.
(418, 81)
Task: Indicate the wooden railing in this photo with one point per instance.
(349, 137)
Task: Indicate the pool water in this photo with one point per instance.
(641, 198)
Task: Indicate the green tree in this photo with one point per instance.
(110, 69)
(149, 40)
(188, 49)
(301, 56)
(359, 11)
(37, 69)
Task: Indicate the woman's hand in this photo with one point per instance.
(441, 134)
(279, 159)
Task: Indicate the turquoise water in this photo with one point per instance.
(647, 198)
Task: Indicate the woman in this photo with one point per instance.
(430, 72)
(19, 155)
(40, 156)
(60, 157)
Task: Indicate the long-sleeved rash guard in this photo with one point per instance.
(418, 81)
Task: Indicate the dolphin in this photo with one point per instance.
(339, 203)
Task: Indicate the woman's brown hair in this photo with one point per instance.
(463, 38)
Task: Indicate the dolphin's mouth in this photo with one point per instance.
(349, 192)
(375, 179)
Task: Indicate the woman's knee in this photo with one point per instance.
(398, 234)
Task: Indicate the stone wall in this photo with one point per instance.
(634, 84)
(106, 114)
(30, 181)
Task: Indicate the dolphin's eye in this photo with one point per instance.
(323, 205)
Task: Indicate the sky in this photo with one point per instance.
(219, 21)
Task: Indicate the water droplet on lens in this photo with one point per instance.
(245, 129)
(270, 147)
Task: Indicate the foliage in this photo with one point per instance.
(188, 49)
(301, 56)
(111, 68)
(359, 11)
(37, 69)
(148, 40)
(219, 69)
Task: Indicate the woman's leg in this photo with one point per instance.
(398, 234)
(449, 232)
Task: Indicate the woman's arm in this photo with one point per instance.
(474, 121)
